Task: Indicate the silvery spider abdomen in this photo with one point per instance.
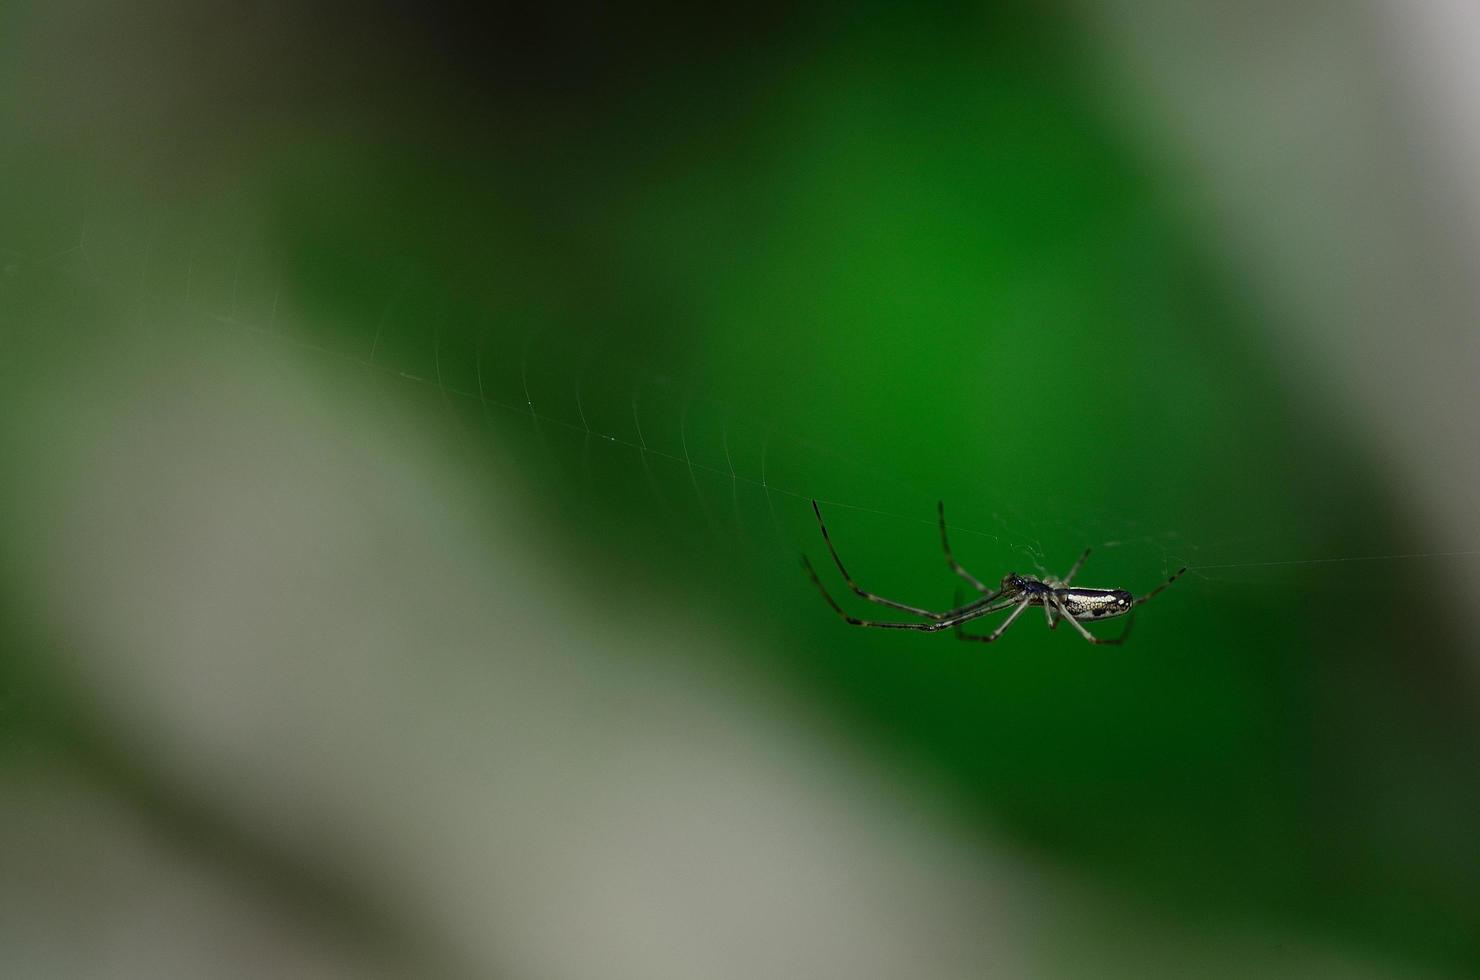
(1095, 603)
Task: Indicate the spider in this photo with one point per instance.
(1016, 592)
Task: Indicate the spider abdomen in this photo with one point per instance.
(1095, 603)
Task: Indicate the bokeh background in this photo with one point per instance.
(410, 415)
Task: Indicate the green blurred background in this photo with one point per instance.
(557, 317)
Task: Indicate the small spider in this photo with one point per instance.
(1017, 592)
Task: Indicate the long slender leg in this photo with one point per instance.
(1100, 640)
(1157, 591)
(940, 507)
(972, 610)
(998, 606)
(1048, 612)
(988, 638)
(857, 589)
(1075, 570)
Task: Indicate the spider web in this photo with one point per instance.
(671, 422)
(550, 404)
(724, 471)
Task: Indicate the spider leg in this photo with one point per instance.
(997, 606)
(989, 637)
(961, 634)
(1075, 570)
(1157, 591)
(940, 507)
(857, 589)
(945, 620)
(1048, 611)
(1100, 640)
